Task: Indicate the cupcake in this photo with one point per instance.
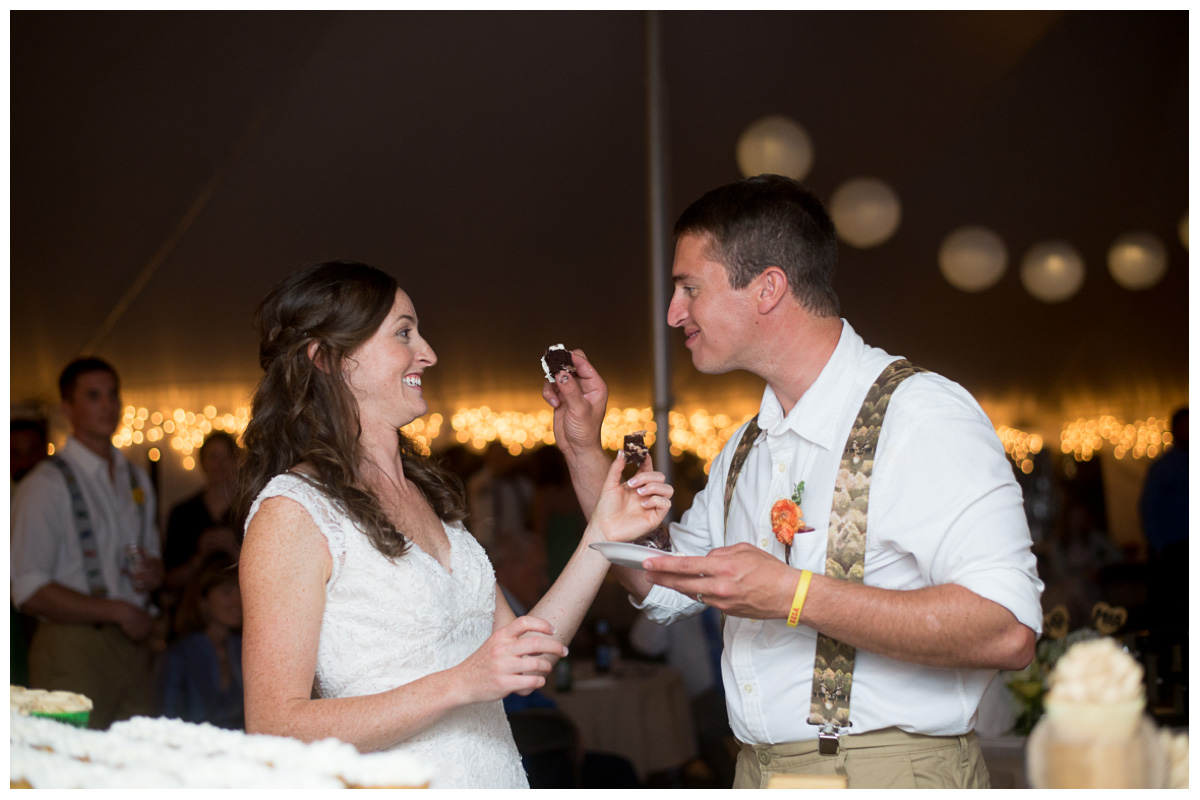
(69, 707)
(1096, 692)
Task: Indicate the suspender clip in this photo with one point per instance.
(827, 739)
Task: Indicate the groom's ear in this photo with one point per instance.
(770, 287)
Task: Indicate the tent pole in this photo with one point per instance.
(659, 277)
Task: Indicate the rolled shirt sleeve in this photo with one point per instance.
(41, 509)
(943, 495)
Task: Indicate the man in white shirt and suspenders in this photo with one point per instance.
(874, 577)
(86, 556)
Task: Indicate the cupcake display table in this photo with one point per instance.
(157, 753)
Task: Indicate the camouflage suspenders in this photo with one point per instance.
(83, 529)
(833, 667)
(83, 525)
(749, 437)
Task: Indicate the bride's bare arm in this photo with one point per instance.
(284, 566)
(624, 511)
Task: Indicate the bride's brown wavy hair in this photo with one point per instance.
(303, 410)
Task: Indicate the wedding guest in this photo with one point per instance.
(202, 524)
(519, 561)
(202, 671)
(1164, 510)
(74, 519)
(1076, 556)
(27, 447)
(498, 496)
(558, 521)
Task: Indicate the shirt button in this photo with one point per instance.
(782, 468)
(748, 688)
(763, 542)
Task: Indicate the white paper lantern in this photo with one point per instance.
(1052, 271)
(775, 145)
(1183, 230)
(973, 258)
(1137, 260)
(865, 211)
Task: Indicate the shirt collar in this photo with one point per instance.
(85, 459)
(816, 416)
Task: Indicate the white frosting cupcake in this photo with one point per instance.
(1096, 692)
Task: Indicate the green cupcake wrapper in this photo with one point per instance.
(77, 718)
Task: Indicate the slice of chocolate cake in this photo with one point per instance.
(635, 448)
(658, 539)
(556, 359)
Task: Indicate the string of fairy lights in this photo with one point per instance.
(700, 433)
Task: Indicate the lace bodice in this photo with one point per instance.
(387, 624)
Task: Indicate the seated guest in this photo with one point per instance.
(200, 525)
(519, 561)
(202, 673)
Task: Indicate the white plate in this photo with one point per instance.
(628, 555)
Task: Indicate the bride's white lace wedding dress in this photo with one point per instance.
(387, 624)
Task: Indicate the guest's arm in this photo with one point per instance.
(59, 603)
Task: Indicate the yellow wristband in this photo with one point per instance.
(798, 600)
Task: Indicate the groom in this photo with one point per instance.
(844, 653)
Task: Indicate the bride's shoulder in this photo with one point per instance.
(298, 478)
(292, 488)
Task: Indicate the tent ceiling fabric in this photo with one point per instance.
(168, 168)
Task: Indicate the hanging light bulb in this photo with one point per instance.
(1137, 260)
(775, 145)
(1052, 271)
(865, 211)
(973, 258)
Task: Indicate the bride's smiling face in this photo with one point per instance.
(385, 371)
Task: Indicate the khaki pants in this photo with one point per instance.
(100, 662)
(884, 759)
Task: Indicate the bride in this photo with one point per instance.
(371, 614)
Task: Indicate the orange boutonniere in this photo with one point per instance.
(787, 519)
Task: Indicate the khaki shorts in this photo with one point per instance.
(883, 759)
(99, 662)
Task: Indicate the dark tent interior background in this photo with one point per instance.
(168, 168)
